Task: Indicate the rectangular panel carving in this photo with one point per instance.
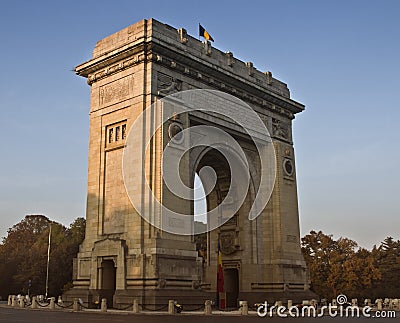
(116, 91)
(84, 268)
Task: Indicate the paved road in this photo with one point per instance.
(11, 315)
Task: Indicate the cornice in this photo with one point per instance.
(112, 62)
(189, 66)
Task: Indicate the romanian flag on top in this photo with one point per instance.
(204, 33)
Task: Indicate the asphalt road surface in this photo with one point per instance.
(13, 315)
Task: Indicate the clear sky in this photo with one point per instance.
(339, 58)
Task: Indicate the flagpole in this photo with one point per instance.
(48, 261)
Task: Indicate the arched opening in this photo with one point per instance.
(200, 217)
(221, 190)
(200, 203)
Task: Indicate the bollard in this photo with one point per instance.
(380, 307)
(354, 302)
(171, 307)
(13, 301)
(34, 305)
(244, 308)
(207, 308)
(9, 300)
(76, 307)
(103, 305)
(21, 302)
(334, 302)
(53, 303)
(289, 303)
(135, 307)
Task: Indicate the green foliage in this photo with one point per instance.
(23, 255)
(387, 259)
(340, 267)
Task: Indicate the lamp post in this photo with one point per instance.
(29, 287)
(48, 261)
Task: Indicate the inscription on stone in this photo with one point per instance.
(116, 91)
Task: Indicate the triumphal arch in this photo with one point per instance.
(136, 246)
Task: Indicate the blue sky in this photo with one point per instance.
(339, 58)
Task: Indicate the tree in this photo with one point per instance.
(317, 248)
(337, 268)
(387, 258)
(61, 262)
(23, 260)
(23, 255)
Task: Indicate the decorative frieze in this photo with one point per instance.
(116, 91)
(280, 129)
(167, 85)
(120, 66)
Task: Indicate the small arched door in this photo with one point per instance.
(231, 285)
(108, 281)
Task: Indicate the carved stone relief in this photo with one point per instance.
(280, 129)
(167, 85)
(116, 91)
(228, 241)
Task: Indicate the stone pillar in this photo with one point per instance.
(9, 300)
(244, 308)
(52, 303)
(13, 301)
(171, 307)
(135, 307)
(21, 302)
(379, 302)
(76, 307)
(34, 304)
(104, 304)
(207, 308)
(289, 303)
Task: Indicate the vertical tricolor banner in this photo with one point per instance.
(220, 280)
